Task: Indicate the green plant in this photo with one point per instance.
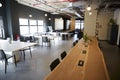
(112, 21)
(85, 37)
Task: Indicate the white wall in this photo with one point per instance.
(103, 19)
(90, 20)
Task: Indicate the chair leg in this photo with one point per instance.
(20, 53)
(30, 52)
(15, 61)
(6, 66)
(24, 54)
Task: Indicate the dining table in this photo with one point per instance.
(81, 63)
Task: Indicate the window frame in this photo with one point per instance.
(31, 26)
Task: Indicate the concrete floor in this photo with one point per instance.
(112, 58)
(38, 67)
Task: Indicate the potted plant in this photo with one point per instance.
(111, 22)
(86, 39)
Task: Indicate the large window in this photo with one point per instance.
(79, 24)
(40, 26)
(33, 26)
(68, 24)
(30, 26)
(24, 27)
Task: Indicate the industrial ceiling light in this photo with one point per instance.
(90, 13)
(89, 8)
(45, 14)
(89, 5)
(30, 15)
(0, 4)
(49, 18)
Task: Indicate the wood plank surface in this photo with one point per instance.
(94, 67)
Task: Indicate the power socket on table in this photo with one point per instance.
(80, 63)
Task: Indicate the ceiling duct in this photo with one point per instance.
(67, 0)
(70, 8)
(76, 8)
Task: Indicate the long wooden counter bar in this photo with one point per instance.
(70, 68)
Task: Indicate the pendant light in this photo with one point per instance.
(90, 13)
(30, 15)
(0, 4)
(89, 8)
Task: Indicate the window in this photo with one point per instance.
(1, 28)
(23, 21)
(40, 22)
(33, 26)
(24, 27)
(24, 30)
(40, 26)
(30, 26)
(79, 24)
(68, 24)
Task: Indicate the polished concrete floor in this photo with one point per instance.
(37, 67)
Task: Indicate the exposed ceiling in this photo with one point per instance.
(72, 8)
(109, 5)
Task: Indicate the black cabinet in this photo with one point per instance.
(113, 29)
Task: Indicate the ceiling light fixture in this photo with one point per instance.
(49, 18)
(30, 15)
(89, 8)
(89, 5)
(45, 14)
(90, 13)
(0, 4)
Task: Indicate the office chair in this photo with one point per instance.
(5, 57)
(32, 39)
(63, 54)
(74, 43)
(54, 64)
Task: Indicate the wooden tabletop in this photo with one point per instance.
(94, 67)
